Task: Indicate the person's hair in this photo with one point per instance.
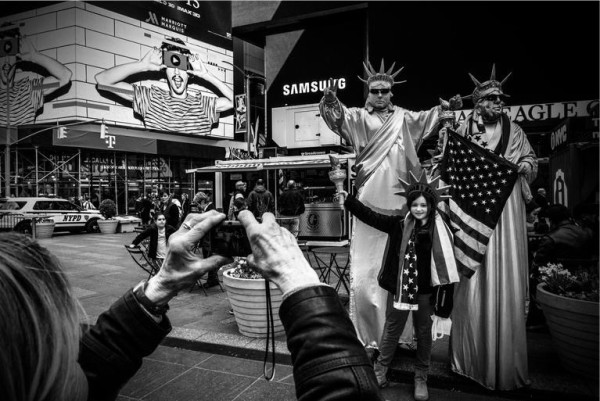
(157, 215)
(171, 47)
(200, 196)
(9, 32)
(40, 325)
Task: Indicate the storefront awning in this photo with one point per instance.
(272, 163)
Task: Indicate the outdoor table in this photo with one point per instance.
(332, 266)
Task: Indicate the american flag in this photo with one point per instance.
(480, 183)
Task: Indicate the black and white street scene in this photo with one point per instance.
(299, 200)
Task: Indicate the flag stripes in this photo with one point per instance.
(480, 184)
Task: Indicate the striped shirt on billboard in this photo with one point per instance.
(193, 115)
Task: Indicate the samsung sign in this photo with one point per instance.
(311, 87)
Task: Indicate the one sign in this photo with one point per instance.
(87, 139)
(240, 114)
(559, 135)
(208, 21)
(544, 111)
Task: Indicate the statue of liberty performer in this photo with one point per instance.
(385, 139)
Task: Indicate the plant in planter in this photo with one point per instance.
(569, 301)
(108, 209)
(247, 295)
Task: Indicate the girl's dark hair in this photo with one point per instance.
(157, 215)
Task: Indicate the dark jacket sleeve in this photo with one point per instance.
(329, 361)
(300, 203)
(376, 220)
(143, 235)
(111, 351)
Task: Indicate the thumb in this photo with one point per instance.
(216, 261)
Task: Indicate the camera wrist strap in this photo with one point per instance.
(270, 334)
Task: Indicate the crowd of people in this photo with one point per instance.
(402, 252)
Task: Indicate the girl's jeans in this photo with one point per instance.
(394, 324)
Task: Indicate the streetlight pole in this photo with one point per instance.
(7, 154)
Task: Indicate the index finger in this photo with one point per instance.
(248, 220)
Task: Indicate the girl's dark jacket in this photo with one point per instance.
(152, 232)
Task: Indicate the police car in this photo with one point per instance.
(17, 214)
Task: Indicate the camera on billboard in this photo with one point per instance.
(9, 46)
(173, 59)
(228, 239)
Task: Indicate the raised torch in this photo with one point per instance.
(337, 176)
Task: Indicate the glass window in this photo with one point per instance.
(42, 205)
(11, 205)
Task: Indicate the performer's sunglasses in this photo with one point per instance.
(493, 98)
(379, 91)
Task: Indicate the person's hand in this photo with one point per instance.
(341, 192)
(524, 168)
(27, 50)
(456, 102)
(275, 253)
(198, 67)
(330, 92)
(182, 267)
(153, 61)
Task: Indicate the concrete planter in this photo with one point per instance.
(108, 226)
(573, 325)
(247, 298)
(44, 230)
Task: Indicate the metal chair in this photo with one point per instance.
(197, 249)
(140, 255)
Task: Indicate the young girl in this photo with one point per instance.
(159, 234)
(418, 258)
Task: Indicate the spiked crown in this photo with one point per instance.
(422, 184)
(483, 89)
(381, 75)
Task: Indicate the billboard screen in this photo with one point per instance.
(161, 66)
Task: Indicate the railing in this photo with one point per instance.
(8, 221)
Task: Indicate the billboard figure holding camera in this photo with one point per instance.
(175, 109)
(26, 94)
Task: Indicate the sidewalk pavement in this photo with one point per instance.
(101, 270)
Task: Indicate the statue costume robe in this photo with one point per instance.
(488, 339)
(386, 147)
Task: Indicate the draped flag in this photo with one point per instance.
(480, 183)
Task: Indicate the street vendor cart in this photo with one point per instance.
(323, 220)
